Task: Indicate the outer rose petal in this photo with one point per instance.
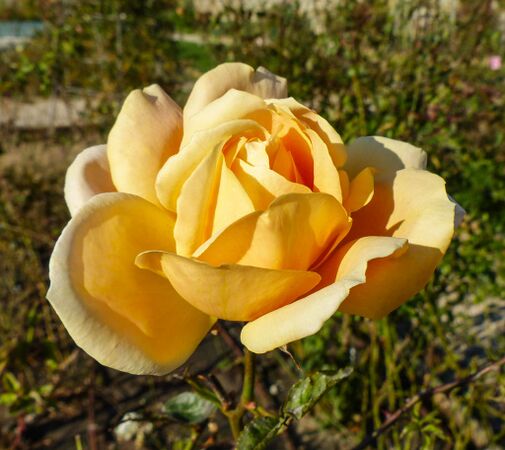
(87, 176)
(306, 316)
(291, 234)
(385, 155)
(413, 206)
(147, 131)
(124, 317)
(242, 77)
(229, 292)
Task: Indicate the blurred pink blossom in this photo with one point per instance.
(494, 62)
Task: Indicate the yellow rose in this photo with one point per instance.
(245, 206)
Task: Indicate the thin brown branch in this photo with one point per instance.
(442, 388)
(229, 339)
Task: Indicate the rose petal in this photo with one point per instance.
(361, 190)
(230, 292)
(125, 317)
(196, 204)
(147, 131)
(320, 125)
(307, 315)
(87, 176)
(179, 167)
(291, 234)
(413, 206)
(224, 77)
(232, 202)
(233, 105)
(385, 155)
(264, 185)
(326, 176)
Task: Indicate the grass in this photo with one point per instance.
(426, 81)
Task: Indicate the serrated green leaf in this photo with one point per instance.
(304, 394)
(189, 407)
(258, 433)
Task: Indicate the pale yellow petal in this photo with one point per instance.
(385, 155)
(125, 317)
(326, 176)
(320, 125)
(231, 292)
(264, 185)
(291, 234)
(413, 206)
(218, 81)
(306, 316)
(360, 190)
(196, 204)
(256, 154)
(179, 167)
(344, 183)
(87, 176)
(233, 105)
(232, 201)
(147, 131)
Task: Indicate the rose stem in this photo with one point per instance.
(235, 416)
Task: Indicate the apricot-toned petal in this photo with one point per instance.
(385, 155)
(291, 234)
(307, 315)
(87, 176)
(232, 201)
(179, 167)
(231, 292)
(264, 185)
(196, 204)
(414, 206)
(218, 81)
(124, 317)
(320, 125)
(233, 105)
(344, 183)
(326, 176)
(147, 131)
(255, 153)
(360, 190)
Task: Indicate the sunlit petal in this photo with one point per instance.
(147, 131)
(306, 316)
(385, 155)
(124, 317)
(230, 292)
(87, 176)
(224, 77)
(414, 206)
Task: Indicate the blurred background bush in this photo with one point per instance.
(426, 71)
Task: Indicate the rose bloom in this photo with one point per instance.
(244, 206)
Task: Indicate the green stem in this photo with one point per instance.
(248, 385)
(235, 415)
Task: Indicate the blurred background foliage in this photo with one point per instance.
(425, 71)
